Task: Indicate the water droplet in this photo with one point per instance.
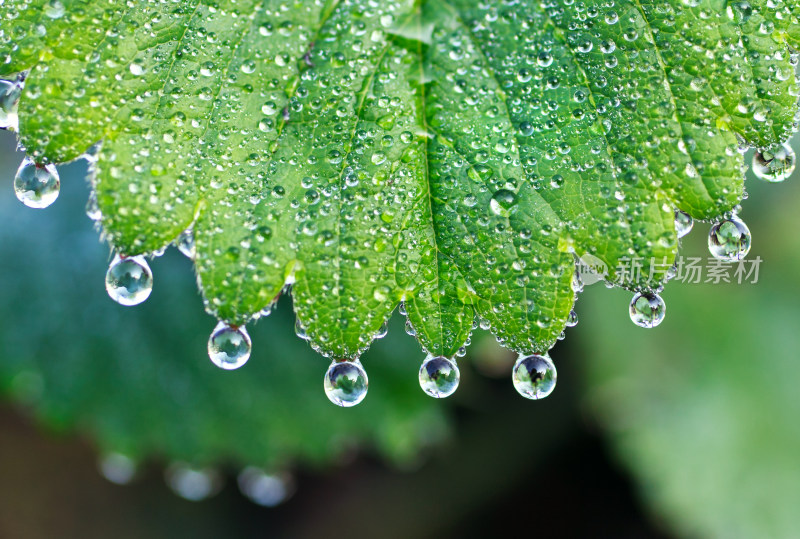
(534, 376)
(683, 223)
(774, 165)
(9, 98)
(502, 202)
(36, 186)
(647, 309)
(300, 330)
(439, 376)
(229, 346)
(572, 319)
(185, 243)
(346, 383)
(193, 484)
(129, 280)
(92, 208)
(265, 489)
(117, 468)
(729, 240)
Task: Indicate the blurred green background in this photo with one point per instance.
(686, 430)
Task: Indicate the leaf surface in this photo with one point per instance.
(453, 156)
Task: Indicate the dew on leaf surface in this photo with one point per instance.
(129, 280)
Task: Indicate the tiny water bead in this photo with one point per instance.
(346, 383)
(774, 165)
(439, 376)
(229, 346)
(683, 223)
(36, 186)
(647, 309)
(129, 280)
(534, 376)
(729, 240)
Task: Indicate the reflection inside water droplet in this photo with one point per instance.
(774, 165)
(647, 310)
(346, 383)
(439, 376)
(534, 376)
(229, 346)
(729, 240)
(129, 280)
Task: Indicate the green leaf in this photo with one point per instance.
(453, 156)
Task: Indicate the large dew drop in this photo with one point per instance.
(534, 376)
(36, 186)
(683, 223)
(346, 383)
(129, 280)
(439, 377)
(729, 240)
(774, 165)
(229, 346)
(647, 310)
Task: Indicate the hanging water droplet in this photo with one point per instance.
(300, 330)
(647, 309)
(534, 376)
(683, 223)
(229, 346)
(9, 98)
(268, 490)
(346, 383)
(185, 243)
(129, 280)
(572, 319)
(92, 208)
(774, 165)
(193, 484)
(383, 331)
(439, 376)
(729, 240)
(117, 468)
(36, 186)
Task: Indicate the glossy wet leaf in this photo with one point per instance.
(451, 155)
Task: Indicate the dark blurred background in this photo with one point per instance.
(686, 430)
